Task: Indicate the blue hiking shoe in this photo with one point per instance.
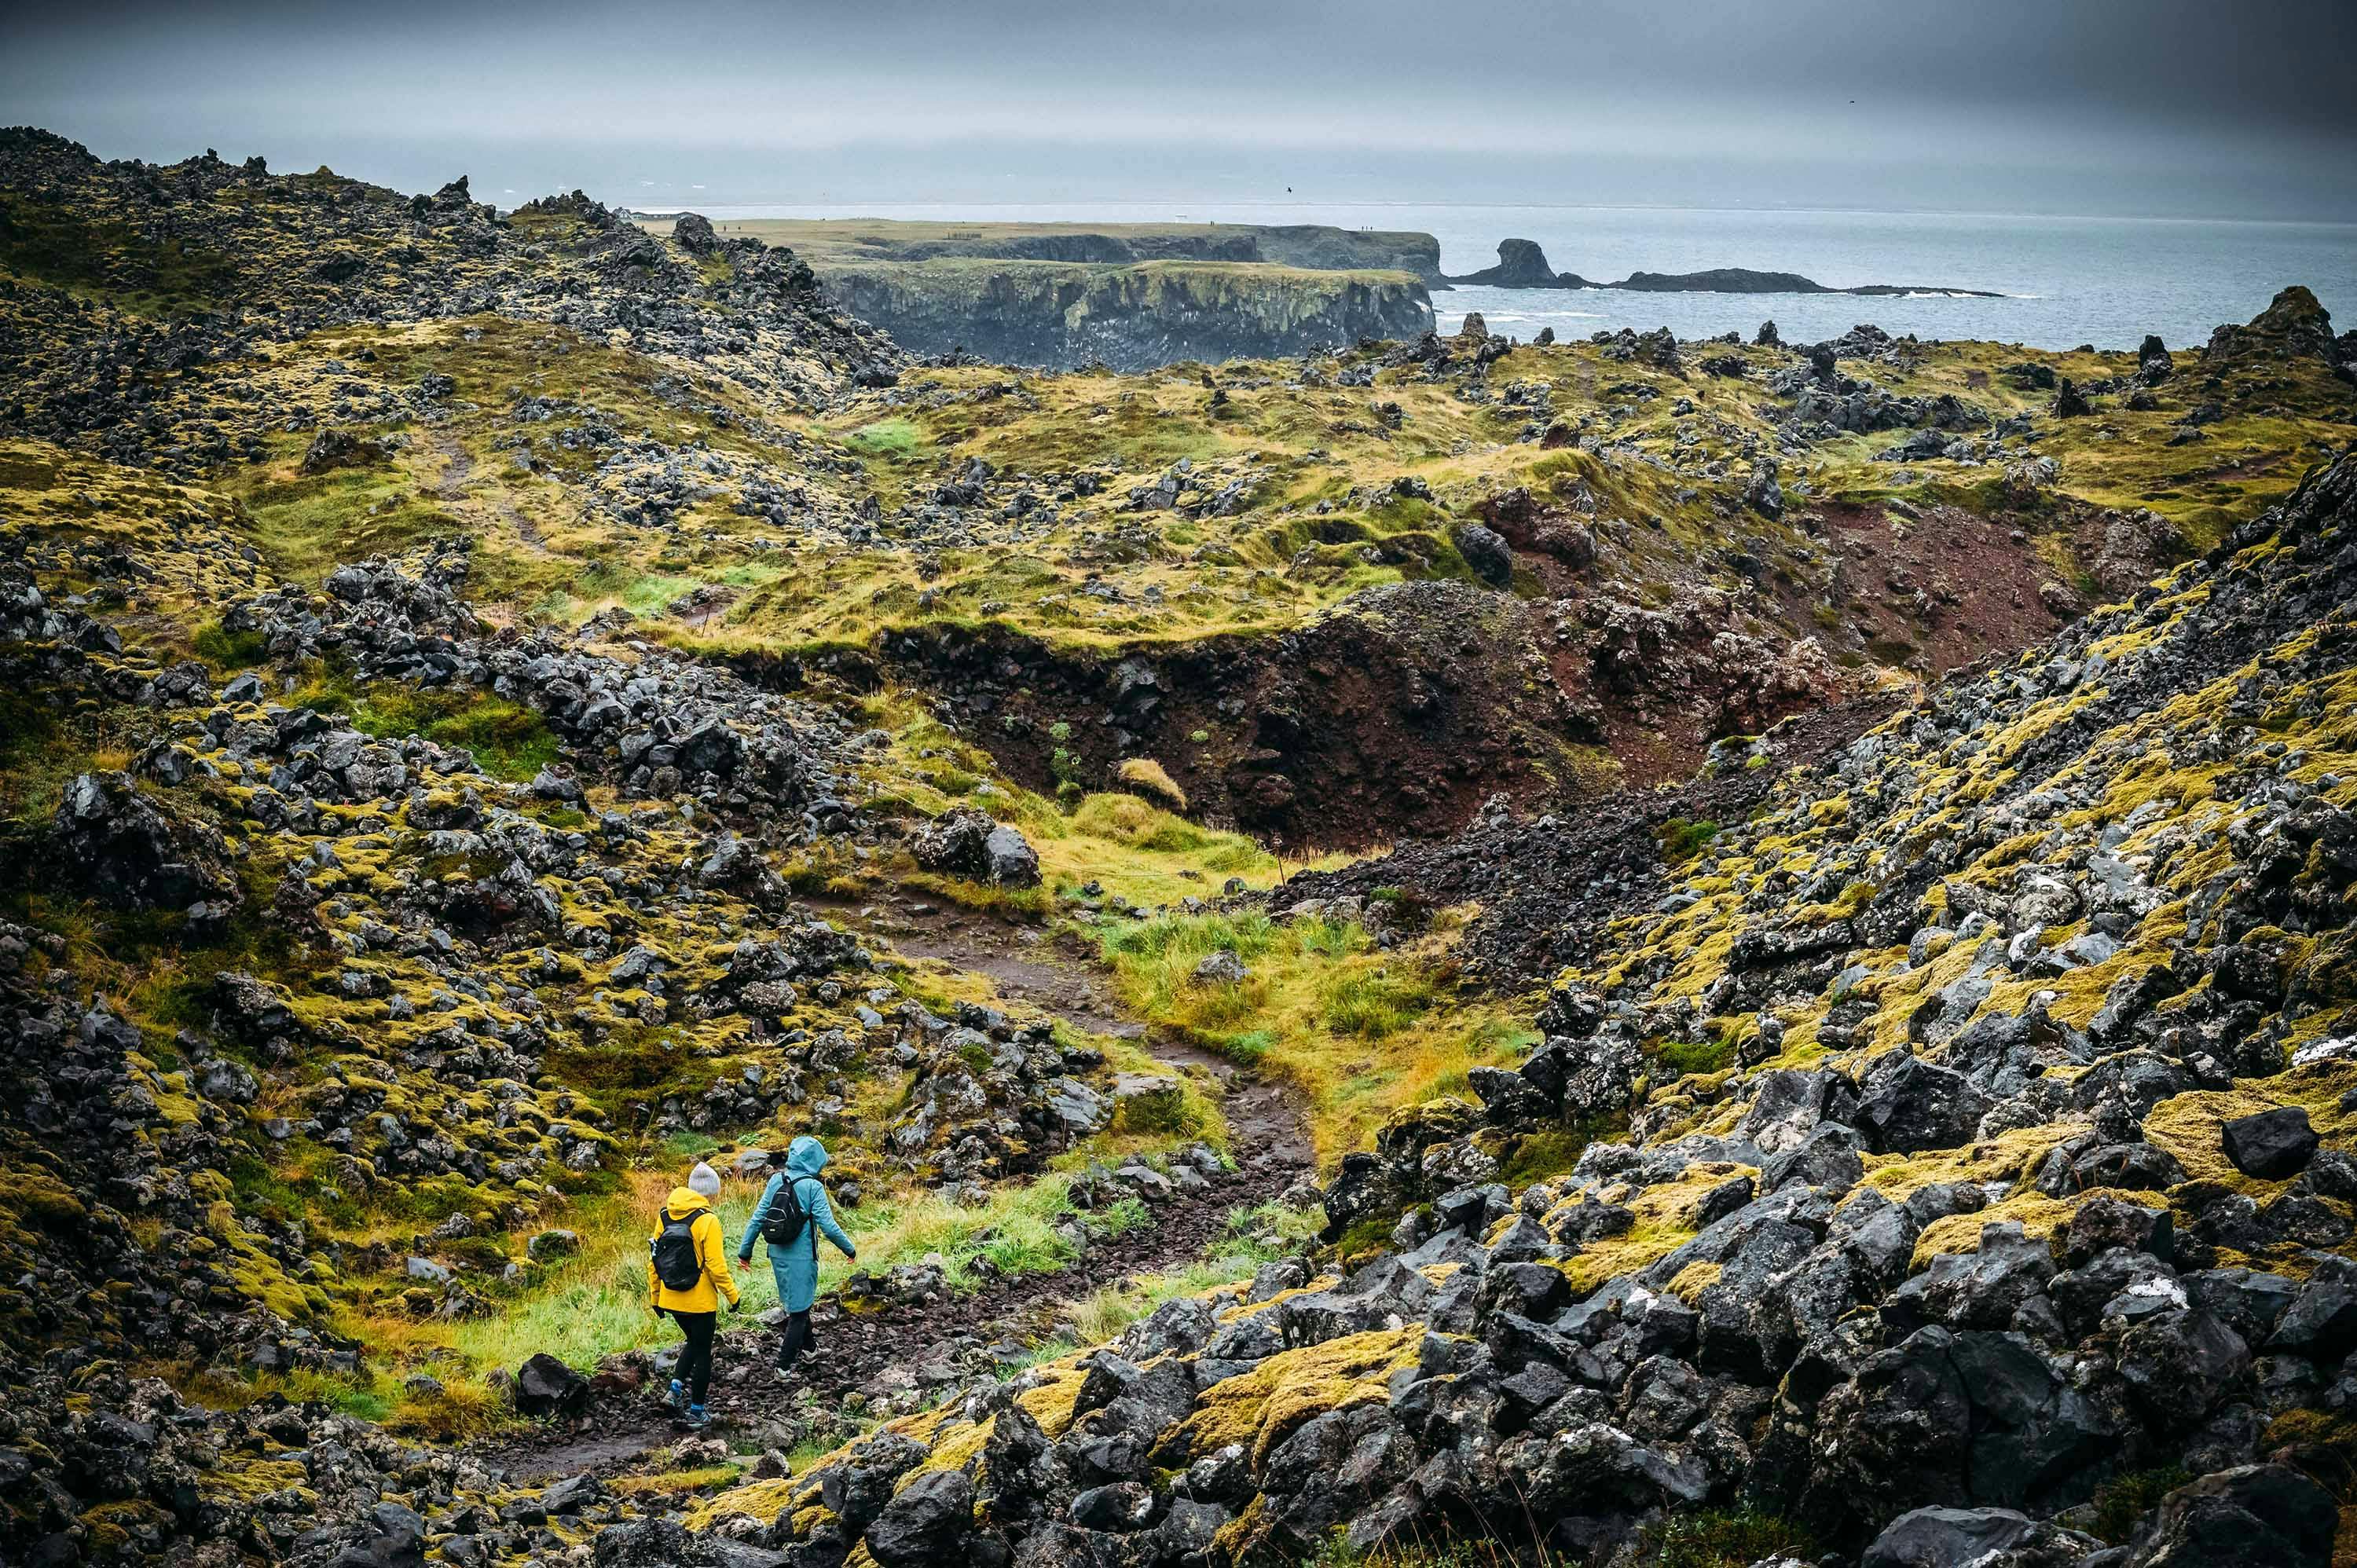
(696, 1419)
(678, 1395)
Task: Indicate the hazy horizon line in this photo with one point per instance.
(2350, 222)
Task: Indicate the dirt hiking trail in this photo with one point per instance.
(928, 1341)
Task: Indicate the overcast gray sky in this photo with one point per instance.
(2166, 107)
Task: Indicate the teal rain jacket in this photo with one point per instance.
(796, 1264)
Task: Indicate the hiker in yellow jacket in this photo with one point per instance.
(687, 1275)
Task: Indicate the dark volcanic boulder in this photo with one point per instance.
(2180, 1364)
(1009, 859)
(2320, 1323)
(397, 1547)
(546, 1386)
(334, 448)
(2260, 1516)
(1334, 1466)
(1488, 554)
(2272, 1144)
(926, 1523)
(1911, 1105)
(1596, 1467)
(952, 841)
(967, 842)
(1980, 1289)
(1954, 1538)
(649, 1543)
(1942, 1419)
(114, 840)
(1119, 1505)
(857, 1491)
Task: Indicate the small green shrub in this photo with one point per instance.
(885, 438)
(507, 740)
(1541, 1155)
(1678, 1057)
(2123, 1499)
(1372, 1006)
(229, 650)
(1716, 1540)
(1249, 1048)
(1683, 840)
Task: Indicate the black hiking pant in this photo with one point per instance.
(798, 1339)
(696, 1361)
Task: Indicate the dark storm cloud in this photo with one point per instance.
(2111, 105)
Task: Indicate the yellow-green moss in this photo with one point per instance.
(1260, 1407)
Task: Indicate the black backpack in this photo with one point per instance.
(782, 1225)
(677, 1263)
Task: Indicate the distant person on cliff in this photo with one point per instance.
(687, 1273)
(793, 1211)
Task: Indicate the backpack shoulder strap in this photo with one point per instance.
(810, 1219)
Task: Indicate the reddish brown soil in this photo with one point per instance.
(1952, 586)
(1547, 889)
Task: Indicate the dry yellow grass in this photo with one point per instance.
(1150, 778)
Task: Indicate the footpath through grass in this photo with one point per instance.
(594, 1304)
(1363, 1032)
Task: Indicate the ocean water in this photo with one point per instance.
(2063, 281)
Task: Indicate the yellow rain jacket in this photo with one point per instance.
(711, 1249)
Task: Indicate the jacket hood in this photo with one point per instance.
(805, 1156)
(682, 1199)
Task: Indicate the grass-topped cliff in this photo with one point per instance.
(1791, 900)
(1128, 317)
(838, 242)
(1129, 296)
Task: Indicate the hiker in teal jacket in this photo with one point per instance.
(795, 1262)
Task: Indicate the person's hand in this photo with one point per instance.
(744, 1265)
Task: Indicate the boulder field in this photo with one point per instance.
(2008, 1222)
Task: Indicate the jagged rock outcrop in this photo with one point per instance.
(2293, 326)
(247, 258)
(657, 726)
(116, 841)
(1522, 264)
